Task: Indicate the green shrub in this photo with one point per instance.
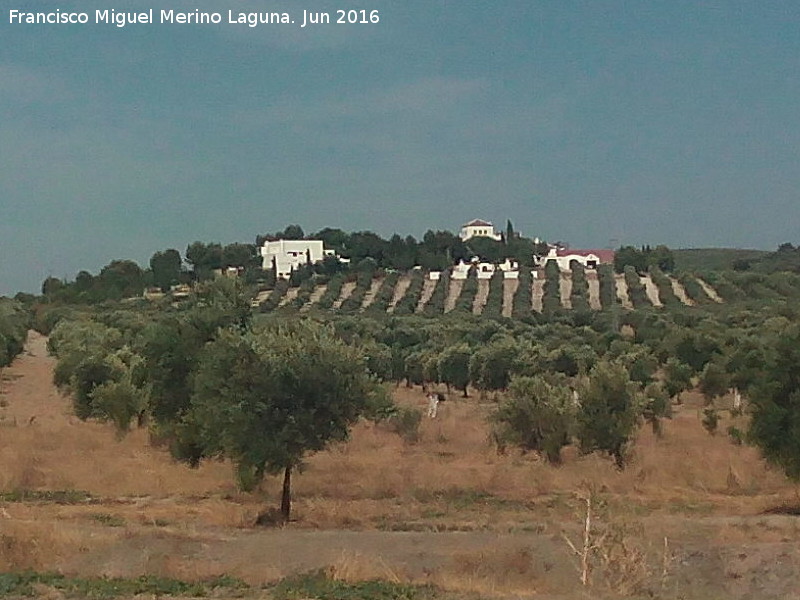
(363, 282)
(551, 293)
(522, 297)
(318, 585)
(494, 302)
(608, 286)
(466, 298)
(535, 416)
(435, 305)
(408, 303)
(278, 292)
(384, 295)
(405, 422)
(636, 290)
(332, 292)
(664, 285)
(579, 296)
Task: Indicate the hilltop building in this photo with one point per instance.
(478, 228)
(287, 255)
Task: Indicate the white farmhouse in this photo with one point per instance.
(590, 259)
(478, 228)
(288, 255)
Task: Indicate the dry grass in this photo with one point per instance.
(152, 515)
(685, 467)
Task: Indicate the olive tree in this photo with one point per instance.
(774, 404)
(611, 408)
(536, 416)
(453, 367)
(266, 399)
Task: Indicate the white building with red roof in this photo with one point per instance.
(478, 228)
(590, 259)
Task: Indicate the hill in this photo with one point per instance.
(713, 259)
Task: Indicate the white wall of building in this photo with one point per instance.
(291, 254)
(563, 262)
(479, 229)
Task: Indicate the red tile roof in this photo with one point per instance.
(478, 223)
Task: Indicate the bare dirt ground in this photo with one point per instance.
(622, 291)
(509, 289)
(651, 290)
(537, 293)
(447, 510)
(481, 296)
(680, 292)
(594, 290)
(427, 292)
(710, 291)
(399, 291)
(370, 295)
(347, 289)
(565, 289)
(453, 292)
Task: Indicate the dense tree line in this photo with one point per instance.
(436, 251)
(167, 368)
(785, 259)
(126, 279)
(211, 384)
(641, 259)
(14, 322)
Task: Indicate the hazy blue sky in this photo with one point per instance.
(670, 121)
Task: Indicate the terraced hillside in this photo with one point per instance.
(576, 290)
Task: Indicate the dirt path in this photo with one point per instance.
(481, 296)
(594, 290)
(622, 291)
(370, 295)
(710, 291)
(509, 289)
(651, 290)
(565, 289)
(680, 291)
(399, 291)
(347, 289)
(27, 387)
(318, 292)
(453, 292)
(537, 293)
(427, 292)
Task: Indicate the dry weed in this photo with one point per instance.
(497, 570)
(354, 567)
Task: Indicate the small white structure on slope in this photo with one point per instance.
(590, 259)
(288, 255)
(478, 228)
(461, 270)
(485, 270)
